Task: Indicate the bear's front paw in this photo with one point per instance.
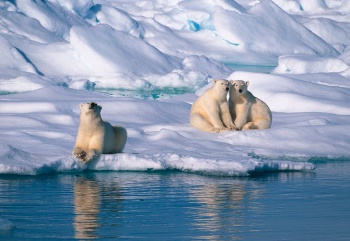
(216, 130)
(80, 154)
(233, 128)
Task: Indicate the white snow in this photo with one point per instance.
(300, 64)
(58, 54)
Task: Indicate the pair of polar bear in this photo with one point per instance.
(211, 112)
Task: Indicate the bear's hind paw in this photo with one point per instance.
(249, 126)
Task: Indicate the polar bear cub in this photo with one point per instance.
(247, 111)
(96, 136)
(210, 111)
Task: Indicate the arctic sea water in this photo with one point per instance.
(172, 205)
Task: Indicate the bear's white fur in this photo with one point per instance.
(210, 111)
(247, 111)
(96, 136)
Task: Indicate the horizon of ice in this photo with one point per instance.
(145, 162)
(57, 54)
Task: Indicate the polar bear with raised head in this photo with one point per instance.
(96, 136)
(210, 111)
(247, 111)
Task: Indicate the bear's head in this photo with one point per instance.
(221, 85)
(238, 87)
(90, 108)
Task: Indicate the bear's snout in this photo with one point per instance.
(92, 105)
(240, 90)
(227, 88)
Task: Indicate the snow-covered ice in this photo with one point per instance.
(58, 54)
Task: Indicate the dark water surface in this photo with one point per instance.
(179, 206)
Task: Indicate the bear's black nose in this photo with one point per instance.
(227, 88)
(92, 105)
(240, 90)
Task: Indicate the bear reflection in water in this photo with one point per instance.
(86, 208)
(90, 194)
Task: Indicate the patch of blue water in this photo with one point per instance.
(7, 92)
(179, 206)
(250, 67)
(168, 92)
(149, 94)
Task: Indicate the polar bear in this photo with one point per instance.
(210, 111)
(247, 111)
(96, 136)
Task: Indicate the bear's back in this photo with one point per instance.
(259, 109)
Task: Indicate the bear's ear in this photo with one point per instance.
(215, 80)
(232, 82)
(81, 106)
(247, 83)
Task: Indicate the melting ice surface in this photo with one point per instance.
(55, 53)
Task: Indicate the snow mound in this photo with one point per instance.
(108, 51)
(288, 36)
(301, 64)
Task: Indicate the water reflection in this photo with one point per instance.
(115, 205)
(93, 195)
(223, 208)
(285, 177)
(163, 205)
(86, 208)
